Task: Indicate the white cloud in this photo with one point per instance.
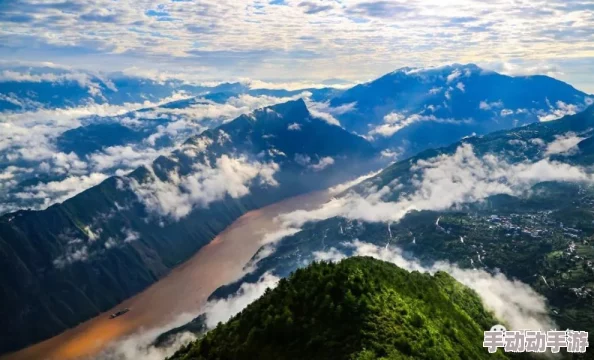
(223, 309)
(124, 157)
(560, 111)
(435, 91)
(30, 135)
(294, 127)
(322, 163)
(485, 105)
(140, 345)
(294, 85)
(453, 76)
(460, 86)
(331, 255)
(376, 37)
(440, 183)
(302, 159)
(285, 228)
(537, 142)
(394, 118)
(506, 112)
(82, 79)
(337, 189)
(178, 195)
(321, 111)
(395, 122)
(390, 154)
(540, 68)
(565, 144)
(58, 191)
(72, 256)
(131, 235)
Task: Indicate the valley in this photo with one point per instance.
(182, 292)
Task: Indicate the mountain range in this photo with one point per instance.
(413, 109)
(55, 149)
(515, 202)
(485, 177)
(31, 88)
(76, 259)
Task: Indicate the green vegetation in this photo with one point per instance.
(358, 309)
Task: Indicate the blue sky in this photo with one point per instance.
(312, 40)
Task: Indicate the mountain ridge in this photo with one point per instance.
(415, 109)
(65, 256)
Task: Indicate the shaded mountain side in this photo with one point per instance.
(70, 262)
(360, 308)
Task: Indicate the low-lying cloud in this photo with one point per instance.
(222, 310)
(565, 144)
(394, 122)
(140, 345)
(29, 142)
(58, 191)
(178, 195)
(440, 183)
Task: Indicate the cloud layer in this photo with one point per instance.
(440, 183)
(355, 39)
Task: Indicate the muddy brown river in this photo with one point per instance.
(184, 290)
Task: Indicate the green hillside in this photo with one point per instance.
(360, 308)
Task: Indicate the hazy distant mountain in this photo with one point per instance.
(413, 109)
(68, 263)
(33, 88)
(24, 88)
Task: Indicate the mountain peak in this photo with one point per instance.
(358, 292)
(437, 69)
(293, 107)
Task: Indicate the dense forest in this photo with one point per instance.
(360, 308)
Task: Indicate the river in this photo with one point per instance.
(184, 290)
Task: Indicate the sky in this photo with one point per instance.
(354, 40)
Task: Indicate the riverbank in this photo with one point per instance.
(184, 290)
